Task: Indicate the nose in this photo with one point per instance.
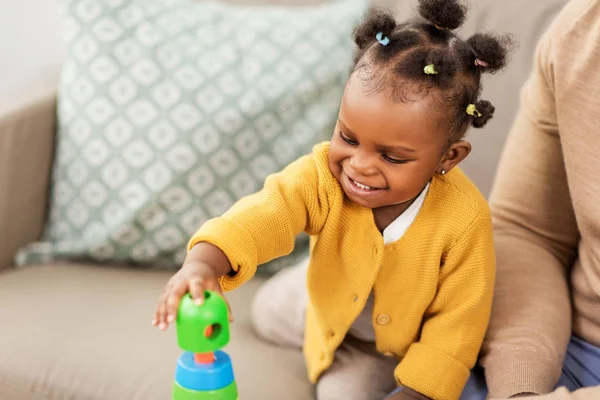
(363, 164)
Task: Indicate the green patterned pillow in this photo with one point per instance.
(171, 110)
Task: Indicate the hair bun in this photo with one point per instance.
(486, 109)
(491, 49)
(376, 21)
(444, 65)
(447, 14)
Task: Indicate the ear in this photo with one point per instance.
(457, 152)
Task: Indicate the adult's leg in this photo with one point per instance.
(581, 367)
(475, 389)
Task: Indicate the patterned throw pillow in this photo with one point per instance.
(171, 110)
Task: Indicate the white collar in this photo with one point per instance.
(400, 225)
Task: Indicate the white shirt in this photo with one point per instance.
(362, 328)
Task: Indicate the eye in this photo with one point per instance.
(394, 160)
(348, 140)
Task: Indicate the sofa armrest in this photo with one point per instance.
(27, 131)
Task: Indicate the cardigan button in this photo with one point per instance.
(383, 319)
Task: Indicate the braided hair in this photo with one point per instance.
(424, 58)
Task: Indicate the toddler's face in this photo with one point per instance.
(384, 152)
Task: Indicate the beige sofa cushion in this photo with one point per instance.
(77, 332)
(27, 126)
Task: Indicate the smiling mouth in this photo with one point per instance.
(362, 186)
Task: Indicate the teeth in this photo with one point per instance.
(360, 185)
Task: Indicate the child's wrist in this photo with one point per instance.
(209, 255)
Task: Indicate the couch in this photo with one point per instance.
(73, 331)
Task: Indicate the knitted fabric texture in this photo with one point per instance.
(433, 288)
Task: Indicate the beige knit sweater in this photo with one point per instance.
(546, 209)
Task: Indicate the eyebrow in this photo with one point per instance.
(385, 148)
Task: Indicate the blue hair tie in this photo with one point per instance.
(384, 40)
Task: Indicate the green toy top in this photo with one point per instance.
(203, 328)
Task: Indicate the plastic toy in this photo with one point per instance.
(203, 371)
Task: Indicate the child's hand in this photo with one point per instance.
(193, 277)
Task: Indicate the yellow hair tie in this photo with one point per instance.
(430, 69)
(472, 110)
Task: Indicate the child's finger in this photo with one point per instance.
(160, 319)
(229, 310)
(172, 301)
(155, 318)
(228, 306)
(196, 288)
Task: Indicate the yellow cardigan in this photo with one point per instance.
(433, 287)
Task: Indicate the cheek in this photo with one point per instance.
(335, 158)
(337, 151)
(410, 177)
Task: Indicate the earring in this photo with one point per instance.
(443, 172)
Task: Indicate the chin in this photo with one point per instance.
(361, 202)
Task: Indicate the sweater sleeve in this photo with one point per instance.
(536, 239)
(439, 363)
(263, 226)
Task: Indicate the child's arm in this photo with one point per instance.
(438, 365)
(226, 250)
(263, 226)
